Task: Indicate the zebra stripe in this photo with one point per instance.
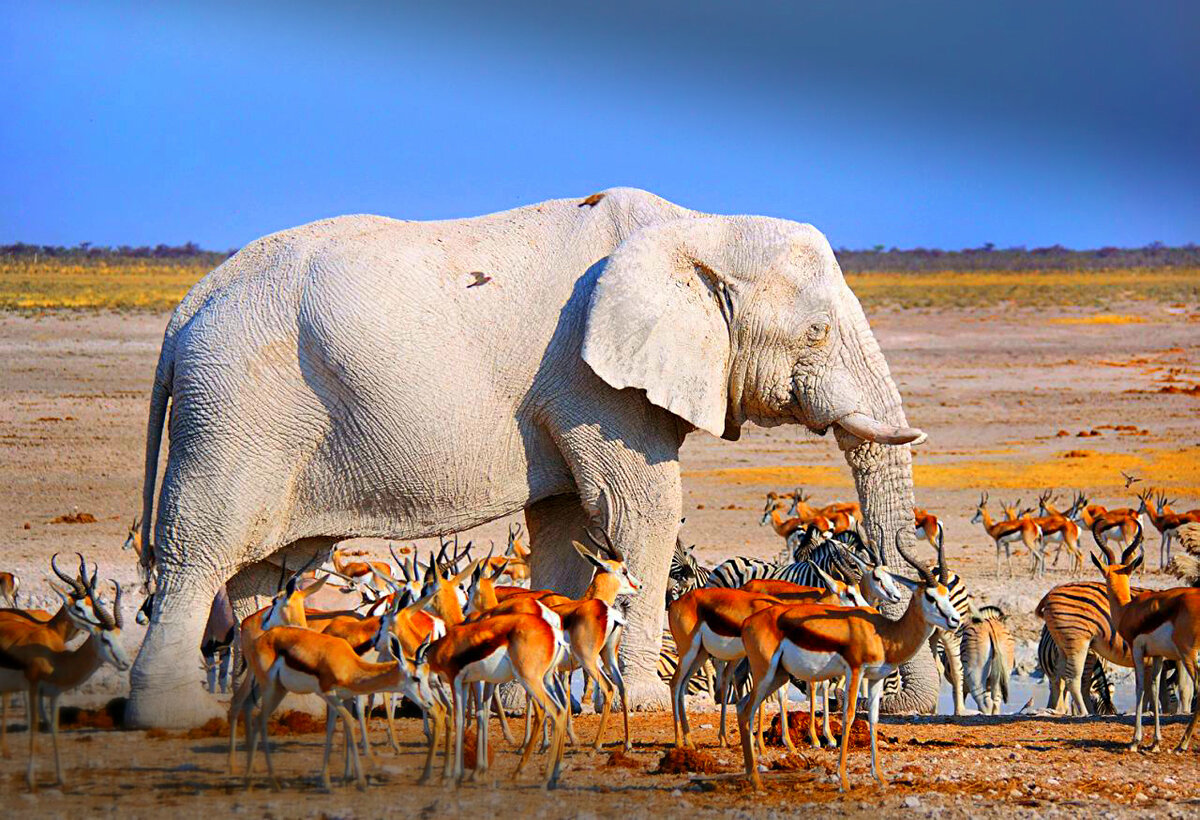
(668, 661)
(946, 646)
(739, 571)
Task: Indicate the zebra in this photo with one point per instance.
(686, 573)
(987, 660)
(1097, 693)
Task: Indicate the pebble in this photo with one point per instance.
(912, 802)
(676, 793)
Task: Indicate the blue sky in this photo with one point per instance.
(944, 124)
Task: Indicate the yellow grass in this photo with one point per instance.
(1100, 319)
(143, 284)
(160, 284)
(1047, 289)
(1175, 471)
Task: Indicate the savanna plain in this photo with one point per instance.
(1025, 381)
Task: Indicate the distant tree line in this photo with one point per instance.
(86, 251)
(988, 257)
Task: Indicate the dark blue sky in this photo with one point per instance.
(942, 124)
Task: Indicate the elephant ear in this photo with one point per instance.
(660, 319)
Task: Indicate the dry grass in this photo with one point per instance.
(1100, 319)
(1176, 469)
(138, 284)
(1060, 288)
(147, 284)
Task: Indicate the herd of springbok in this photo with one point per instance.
(445, 633)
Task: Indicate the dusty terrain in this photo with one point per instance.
(1003, 393)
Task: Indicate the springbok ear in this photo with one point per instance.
(315, 588)
(1130, 567)
(587, 555)
(660, 320)
(1096, 561)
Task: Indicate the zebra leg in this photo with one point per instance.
(1188, 671)
(826, 731)
(726, 682)
(1073, 672)
(812, 714)
(951, 647)
(784, 727)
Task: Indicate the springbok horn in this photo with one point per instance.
(1133, 548)
(401, 565)
(80, 591)
(869, 429)
(943, 573)
(117, 616)
(600, 538)
(922, 571)
(1108, 553)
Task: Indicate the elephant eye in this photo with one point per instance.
(817, 332)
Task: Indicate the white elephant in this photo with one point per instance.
(366, 376)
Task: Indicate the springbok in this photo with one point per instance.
(10, 587)
(1059, 528)
(1120, 525)
(1005, 533)
(494, 650)
(294, 659)
(1166, 521)
(1157, 624)
(35, 660)
(928, 528)
(817, 642)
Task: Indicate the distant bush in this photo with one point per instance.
(190, 253)
(988, 257)
(1055, 257)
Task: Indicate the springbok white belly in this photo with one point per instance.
(495, 668)
(294, 680)
(1159, 643)
(808, 664)
(720, 647)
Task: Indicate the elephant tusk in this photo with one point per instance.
(869, 429)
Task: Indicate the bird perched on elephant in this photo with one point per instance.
(337, 380)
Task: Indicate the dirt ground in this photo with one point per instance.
(1004, 395)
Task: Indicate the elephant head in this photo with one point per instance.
(723, 320)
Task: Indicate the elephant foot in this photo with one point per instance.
(179, 708)
(647, 693)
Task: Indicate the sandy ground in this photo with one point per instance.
(994, 389)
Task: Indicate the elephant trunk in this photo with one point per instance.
(882, 468)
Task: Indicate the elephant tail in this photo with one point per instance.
(160, 395)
